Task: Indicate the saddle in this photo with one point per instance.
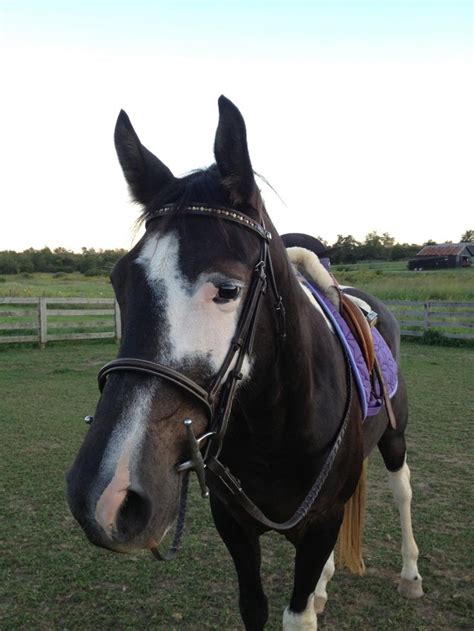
(353, 314)
(360, 323)
(357, 314)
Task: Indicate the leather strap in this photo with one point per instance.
(385, 395)
(157, 370)
(230, 484)
(178, 534)
(210, 210)
(360, 328)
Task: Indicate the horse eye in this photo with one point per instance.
(227, 292)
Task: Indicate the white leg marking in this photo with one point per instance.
(411, 582)
(320, 593)
(304, 621)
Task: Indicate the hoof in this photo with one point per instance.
(411, 589)
(319, 604)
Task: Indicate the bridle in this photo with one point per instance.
(219, 397)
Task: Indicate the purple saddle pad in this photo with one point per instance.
(371, 401)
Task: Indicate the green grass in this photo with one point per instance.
(393, 281)
(67, 286)
(386, 280)
(53, 579)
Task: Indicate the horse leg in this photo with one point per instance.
(320, 593)
(313, 553)
(245, 552)
(393, 450)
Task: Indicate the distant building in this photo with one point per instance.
(442, 256)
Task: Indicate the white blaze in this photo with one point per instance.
(199, 328)
(121, 452)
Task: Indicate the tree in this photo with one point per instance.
(345, 249)
(402, 251)
(373, 247)
(387, 240)
(467, 236)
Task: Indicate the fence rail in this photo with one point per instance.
(451, 319)
(54, 319)
(46, 320)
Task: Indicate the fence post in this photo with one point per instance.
(426, 316)
(43, 322)
(117, 321)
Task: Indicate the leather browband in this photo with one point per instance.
(218, 212)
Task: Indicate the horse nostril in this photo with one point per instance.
(133, 516)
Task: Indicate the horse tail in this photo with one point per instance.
(349, 541)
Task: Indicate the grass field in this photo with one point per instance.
(53, 579)
(385, 280)
(393, 281)
(62, 286)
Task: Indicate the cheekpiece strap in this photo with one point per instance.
(218, 212)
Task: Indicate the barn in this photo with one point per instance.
(442, 256)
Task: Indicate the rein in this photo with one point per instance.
(219, 398)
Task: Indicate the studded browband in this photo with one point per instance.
(218, 212)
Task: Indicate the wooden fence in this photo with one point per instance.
(44, 320)
(451, 319)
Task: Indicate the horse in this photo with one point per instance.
(229, 367)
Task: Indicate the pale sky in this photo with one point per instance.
(359, 113)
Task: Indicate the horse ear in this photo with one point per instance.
(145, 174)
(232, 154)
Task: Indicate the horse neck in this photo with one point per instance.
(293, 383)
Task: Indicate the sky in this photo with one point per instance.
(360, 114)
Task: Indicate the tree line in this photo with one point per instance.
(382, 247)
(89, 261)
(346, 249)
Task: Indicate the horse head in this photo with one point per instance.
(182, 291)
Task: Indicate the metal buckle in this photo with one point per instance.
(196, 462)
